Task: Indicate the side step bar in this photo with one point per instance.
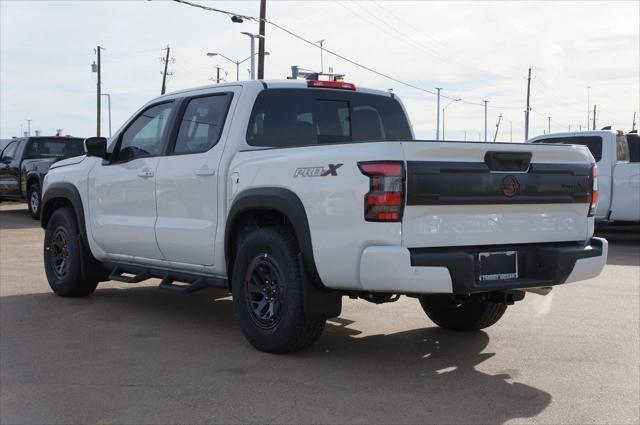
(189, 282)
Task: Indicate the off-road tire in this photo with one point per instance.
(34, 204)
(272, 253)
(467, 314)
(62, 241)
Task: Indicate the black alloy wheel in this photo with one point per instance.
(264, 291)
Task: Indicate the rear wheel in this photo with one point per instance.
(461, 314)
(33, 201)
(267, 292)
(65, 258)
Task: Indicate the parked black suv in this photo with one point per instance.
(25, 161)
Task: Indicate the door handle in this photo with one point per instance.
(145, 173)
(204, 172)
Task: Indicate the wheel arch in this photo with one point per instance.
(271, 199)
(64, 194)
(34, 177)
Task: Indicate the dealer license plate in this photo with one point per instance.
(496, 266)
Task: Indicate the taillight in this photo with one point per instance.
(385, 199)
(594, 191)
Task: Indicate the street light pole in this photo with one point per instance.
(510, 131)
(588, 105)
(237, 63)
(253, 52)
(485, 119)
(109, 107)
(321, 43)
(443, 111)
(438, 115)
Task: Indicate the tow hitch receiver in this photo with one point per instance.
(503, 297)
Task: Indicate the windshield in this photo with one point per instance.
(54, 148)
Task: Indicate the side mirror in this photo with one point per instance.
(96, 146)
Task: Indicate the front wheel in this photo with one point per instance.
(33, 201)
(64, 258)
(461, 314)
(267, 292)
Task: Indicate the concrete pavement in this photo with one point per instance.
(136, 354)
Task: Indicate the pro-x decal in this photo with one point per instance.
(329, 170)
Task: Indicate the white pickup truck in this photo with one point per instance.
(616, 155)
(293, 194)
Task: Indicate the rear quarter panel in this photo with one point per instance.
(334, 204)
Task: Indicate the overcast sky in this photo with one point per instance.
(474, 50)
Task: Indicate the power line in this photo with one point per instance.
(447, 58)
(338, 55)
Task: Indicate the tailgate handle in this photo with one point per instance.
(507, 161)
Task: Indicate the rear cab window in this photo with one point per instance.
(593, 143)
(622, 149)
(306, 117)
(633, 142)
(54, 147)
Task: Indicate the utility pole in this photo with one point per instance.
(633, 126)
(549, 119)
(569, 128)
(465, 135)
(495, 136)
(164, 73)
(261, 46)
(510, 131)
(28, 120)
(217, 74)
(528, 109)
(485, 119)
(594, 117)
(99, 96)
(438, 115)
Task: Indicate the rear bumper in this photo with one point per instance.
(454, 270)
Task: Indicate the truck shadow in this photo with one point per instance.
(417, 376)
(16, 216)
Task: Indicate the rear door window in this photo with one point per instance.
(593, 143)
(202, 123)
(303, 117)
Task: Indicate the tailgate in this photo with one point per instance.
(463, 194)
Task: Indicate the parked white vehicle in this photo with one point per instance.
(293, 194)
(618, 173)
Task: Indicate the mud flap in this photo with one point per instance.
(319, 303)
